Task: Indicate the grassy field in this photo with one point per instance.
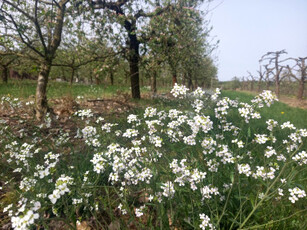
(26, 89)
(279, 111)
(166, 166)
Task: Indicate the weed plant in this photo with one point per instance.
(201, 162)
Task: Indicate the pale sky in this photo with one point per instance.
(247, 29)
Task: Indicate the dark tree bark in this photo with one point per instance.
(41, 96)
(303, 68)
(154, 82)
(174, 78)
(190, 83)
(134, 56)
(112, 77)
(5, 74)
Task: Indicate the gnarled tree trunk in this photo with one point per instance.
(41, 91)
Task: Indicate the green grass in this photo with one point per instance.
(278, 111)
(26, 88)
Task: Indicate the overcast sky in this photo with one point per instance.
(247, 29)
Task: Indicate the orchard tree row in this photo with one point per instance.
(159, 38)
(274, 71)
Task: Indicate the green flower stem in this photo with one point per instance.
(269, 188)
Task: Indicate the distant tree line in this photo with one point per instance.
(277, 72)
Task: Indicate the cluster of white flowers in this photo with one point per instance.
(50, 162)
(271, 124)
(179, 91)
(123, 211)
(198, 105)
(125, 164)
(266, 97)
(183, 174)
(205, 222)
(25, 220)
(208, 145)
(269, 152)
(20, 154)
(133, 119)
(140, 211)
(239, 143)
(130, 133)
(264, 173)
(168, 189)
(261, 138)
(209, 190)
(89, 133)
(202, 122)
(244, 169)
(301, 158)
(150, 112)
(47, 122)
(107, 127)
(296, 193)
(30, 102)
(99, 162)
(61, 187)
(225, 154)
(287, 125)
(156, 141)
(13, 103)
(85, 113)
(216, 94)
(198, 92)
(247, 112)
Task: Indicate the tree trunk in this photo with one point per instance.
(302, 80)
(174, 78)
(133, 59)
(5, 74)
(277, 86)
(134, 76)
(72, 75)
(301, 89)
(259, 84)
(97, 80)
(252, 85)
(277, 78)
(112, 78)
(63, 73)
(91, 77)
(190, 84)
(41, 95)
